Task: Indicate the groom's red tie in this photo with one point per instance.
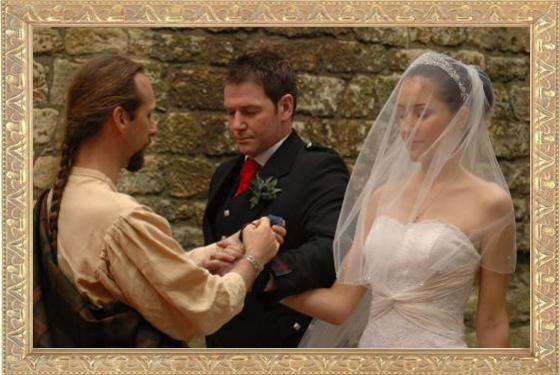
(248, 171)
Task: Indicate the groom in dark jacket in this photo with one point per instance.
(275, 173)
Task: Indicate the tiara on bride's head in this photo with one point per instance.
(440, 61)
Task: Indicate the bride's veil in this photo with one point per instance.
(408, 171)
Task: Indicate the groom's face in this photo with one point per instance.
(254, 121)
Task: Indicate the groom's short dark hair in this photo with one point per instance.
(267, 69)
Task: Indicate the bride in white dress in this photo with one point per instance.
(427, 215)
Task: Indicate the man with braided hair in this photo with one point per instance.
(107, 272)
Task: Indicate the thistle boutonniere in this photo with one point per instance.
(265, 189)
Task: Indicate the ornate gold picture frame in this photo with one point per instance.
(18, 20)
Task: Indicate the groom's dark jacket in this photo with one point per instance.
(313, 181)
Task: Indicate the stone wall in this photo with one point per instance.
(345, 74)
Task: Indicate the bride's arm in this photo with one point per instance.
(333, 305)
(491, 321)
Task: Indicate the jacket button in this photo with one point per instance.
(226, 213)
(297, 326)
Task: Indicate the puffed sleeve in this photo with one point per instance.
(144, 267)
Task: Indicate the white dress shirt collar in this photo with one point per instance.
(263, 158)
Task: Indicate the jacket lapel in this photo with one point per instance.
(221, 187)
(279, 165)
(225, 179)
(282, 161)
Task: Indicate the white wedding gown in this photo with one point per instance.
(420, 275)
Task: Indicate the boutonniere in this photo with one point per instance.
(265, 189)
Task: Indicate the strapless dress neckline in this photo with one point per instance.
(420, 275)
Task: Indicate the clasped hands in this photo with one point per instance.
(231, 249)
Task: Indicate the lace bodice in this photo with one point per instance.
(420, 275)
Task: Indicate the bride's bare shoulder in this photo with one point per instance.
(494, 198)
(385, 187)
(388, 186)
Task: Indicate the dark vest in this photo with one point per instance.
(236, 209)
(62, 318)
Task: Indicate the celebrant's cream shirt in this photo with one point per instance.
(114, 248)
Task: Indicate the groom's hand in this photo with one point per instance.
(279, 232)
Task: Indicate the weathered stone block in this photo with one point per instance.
(520, 102)
(302, 54)
(197, 87)
(523, 237)
(217, 139)
(341, 56)
(45, 169)
(188, 177)
(510, 139)
(470, 339)
(520, 337)
(46, 40)
(319, 95)
(482, 37)
(359, 97)
(148, 180)
(63, 72)
(401, 59)
(508, 68)
(141, 41)
(179, 47)
(517, 175)
(181, 133)
(470, 308)
(196, 211)
(189, 237)
(390, 36)
(470, 57)
(441, 36)
(197, 342)
(191, 133)
(422, 34)
(187, 46)
(345, 136)
(157, 73)
(349, 56)
(514, 39)
(372, 59)
(218, 51)
(141, 182)
(521, 208)
(79, 41)
(502, 105)
(40, 88)
(384, 86)
(44, 123)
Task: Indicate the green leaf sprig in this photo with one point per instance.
(263, 189)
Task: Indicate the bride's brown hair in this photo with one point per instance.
(448, 90)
